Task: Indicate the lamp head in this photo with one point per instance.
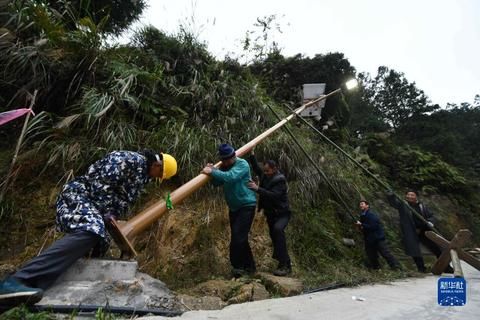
(351, 84)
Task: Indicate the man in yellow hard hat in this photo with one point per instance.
(104, 192)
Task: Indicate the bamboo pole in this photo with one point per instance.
(139, 223)
(457, 267)
(383, 184)
(316, 166)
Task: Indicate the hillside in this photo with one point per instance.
(167, 92)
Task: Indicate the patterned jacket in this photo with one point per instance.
(110, 186)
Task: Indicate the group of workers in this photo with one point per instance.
(413, 230)
(87, 205)
(240, 194)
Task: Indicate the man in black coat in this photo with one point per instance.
(273, 199)
(413, 228)
(374, 237)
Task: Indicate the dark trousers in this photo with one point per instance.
(42, 271)
(276, 227)
(432, 246)
(241, 256)
(373, 249)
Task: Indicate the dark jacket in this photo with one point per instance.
(273, 191)
(425, 213)
(372, 227)
(407, 224)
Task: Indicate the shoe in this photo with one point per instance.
(282, 271)
(250, 271)
(238, 273)
(13, 292)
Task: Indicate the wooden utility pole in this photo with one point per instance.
(124, 234)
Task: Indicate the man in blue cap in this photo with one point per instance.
(234, 175)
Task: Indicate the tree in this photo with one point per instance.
(283, 78)
(259, 42)
(119, 13)
(449, 133)
(394, 98)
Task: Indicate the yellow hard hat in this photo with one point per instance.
(169, 166)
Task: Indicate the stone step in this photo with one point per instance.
(109, 282)
(100, 270)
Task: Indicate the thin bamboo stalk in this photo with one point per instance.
(383, 184)
(320, 171)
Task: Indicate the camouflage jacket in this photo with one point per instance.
(110, 186)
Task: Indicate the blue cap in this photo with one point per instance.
(225, 151)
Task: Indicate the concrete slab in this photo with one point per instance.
(100, 270)
(109, 282)
(400, 300)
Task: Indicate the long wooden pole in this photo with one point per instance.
(147, 217)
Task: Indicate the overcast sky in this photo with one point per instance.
(436, 43)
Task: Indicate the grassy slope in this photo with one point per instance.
(190, 244)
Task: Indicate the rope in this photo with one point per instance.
(320, 171)
(383, 184)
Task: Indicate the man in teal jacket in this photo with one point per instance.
(234, 175)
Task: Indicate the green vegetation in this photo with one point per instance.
(167, 92)
(23, 313)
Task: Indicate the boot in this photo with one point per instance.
(238, 273)
(283, 271)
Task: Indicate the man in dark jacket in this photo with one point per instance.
(374, 237)
(273, 199)
(413, 228)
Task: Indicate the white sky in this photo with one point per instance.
(436, 43)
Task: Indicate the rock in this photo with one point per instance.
(200, 303)
(250, 292)
(348, 242)
(245, 294)
(284, 286)
(116, 283)
(230, 292)
(259, 292)
(223, 289)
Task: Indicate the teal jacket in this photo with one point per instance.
(234, 183)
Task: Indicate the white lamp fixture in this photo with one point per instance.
(351, 84)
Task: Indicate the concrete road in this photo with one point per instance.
(402, 300)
